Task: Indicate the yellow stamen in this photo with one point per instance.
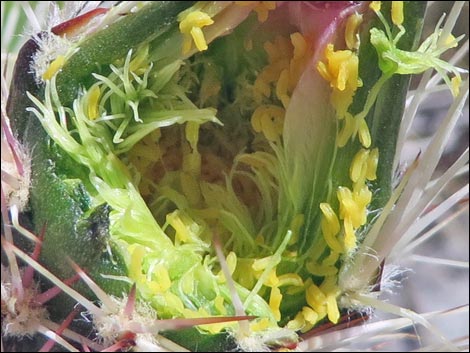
(290, 279)
(375, 5)
(332, 308)
(260, 325)
(309, 315)
(300, 45)
(456, 81)
(331, 259)
(191, 26)
(162, 277)
(358, 167)
(269, 119)
(341, 70)
(93, 100)
(349, 235)
(364, 133)
(275, 302)
(330, 227)
(281, 88)
(397, 13)
(54, 67)
(137, 254)
(372, 163)
(263, 9)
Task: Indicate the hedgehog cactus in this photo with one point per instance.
(218, 174)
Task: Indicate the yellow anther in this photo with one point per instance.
(397, 13)
(272, 280)
(219, 305)
(375, 5)
(54, 67)
(162, 277)
(364, 133)
(349, 235)
(358, 169)
(191, 26)
(231, 261)
(137, 253)
(260, 324)
(278, 49)
(269, 119)
(341, 69)
(450, 41)
(332, 308)
(331, 259)
(282, 86)
(263, 8)
(346, 201)
(363, 198)
(275, 302)
(350, 34)
(309, 315)
(456, 81)
(330, 217)
(315, 298)
(290, 279)
(182, 232)
(297, 323)
(300, 45)
(330, 227)
(93, 100)
(372, 163)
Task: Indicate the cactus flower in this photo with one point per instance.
(229, 163)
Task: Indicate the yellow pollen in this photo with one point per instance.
(191, 26)
(397, 13)
(93, 100)
(350, 34)
(53, 68)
